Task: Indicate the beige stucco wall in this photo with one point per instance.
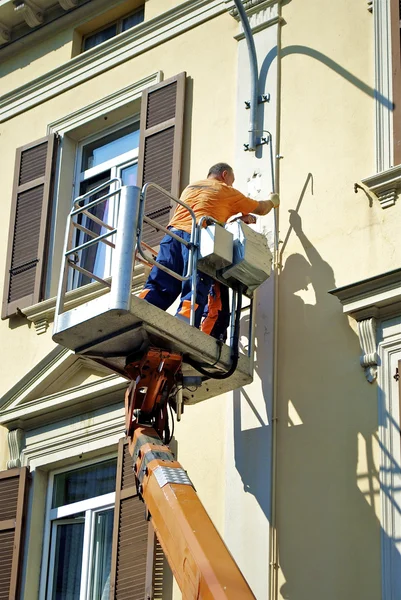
(207, 140)
(327, 492)
(327, 482)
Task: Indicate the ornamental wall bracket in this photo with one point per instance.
(261, 14)
(369, 359)
(385, 185)
(32, 14)
(5, 34)
(16, 444)
(248, 5)
(368, 301)
(68, 4)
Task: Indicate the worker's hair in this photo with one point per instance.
(219, 168)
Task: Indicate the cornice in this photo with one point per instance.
(65, 403)
(104, 105)
(367, 301)
(376, 296)
(109, 54)
(386, 185)
(261, 14)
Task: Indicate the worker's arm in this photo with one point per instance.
(265, 206)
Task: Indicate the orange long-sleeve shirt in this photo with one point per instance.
(211, 198)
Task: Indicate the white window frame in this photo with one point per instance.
(389, 351)
(115, 166)
(90, 506)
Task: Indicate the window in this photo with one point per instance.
(34, 241)
(113, 29)
(114, 154)
(79, 519)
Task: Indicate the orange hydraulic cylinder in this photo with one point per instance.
(201, 563)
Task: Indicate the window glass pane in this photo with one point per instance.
(93, 258)
(81, 484)
(101, 555)
(100, 36)
(68, 561)
(110, 146)
(128, 175)
(133, 19)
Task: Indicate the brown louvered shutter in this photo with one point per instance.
(133, 562)
(29, 224)
(13, 497)
(160, 148)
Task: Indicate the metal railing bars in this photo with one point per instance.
(93, 234)
(73, 226)
(86, 207)
(169, 232)
(95, 219)
(97, 189)
(89, 274)
(89, 243)
(192, 245)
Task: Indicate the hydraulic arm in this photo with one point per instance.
(201, 563)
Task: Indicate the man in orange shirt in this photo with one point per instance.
(213, 197)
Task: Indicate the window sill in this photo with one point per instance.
(42, 314)
(385, 185)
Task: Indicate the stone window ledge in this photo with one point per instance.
(385, 185)
(367, 301)
(42, 314)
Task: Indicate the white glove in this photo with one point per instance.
(275, 199)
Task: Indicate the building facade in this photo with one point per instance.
(300, 470)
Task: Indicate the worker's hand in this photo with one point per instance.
(274, 199)
(248, 219)
(295, 221)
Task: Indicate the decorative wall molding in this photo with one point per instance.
(250, 6)
(5, 34)
(378, 296)
(104, 105)
(261, 14)
(68, 4)
(107, 55)
(16, 443)
(386, 185)
(367, 337)
(33, 15)
(47, 409)
(74, 437)
(368, 301)
(383, 85)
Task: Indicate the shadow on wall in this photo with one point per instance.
(327, 481)
(325, 60)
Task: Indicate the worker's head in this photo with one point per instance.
(222, 172)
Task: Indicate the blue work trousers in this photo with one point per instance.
(161, 289)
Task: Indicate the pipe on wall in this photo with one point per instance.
(254, 71)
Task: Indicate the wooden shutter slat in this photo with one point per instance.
(13, 498)
(161, 104)
(33, 163)
(160, 149)
(29, 225)
(131, 546)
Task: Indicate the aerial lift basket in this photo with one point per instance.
(116, 324)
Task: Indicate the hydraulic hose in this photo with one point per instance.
(234, 347)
